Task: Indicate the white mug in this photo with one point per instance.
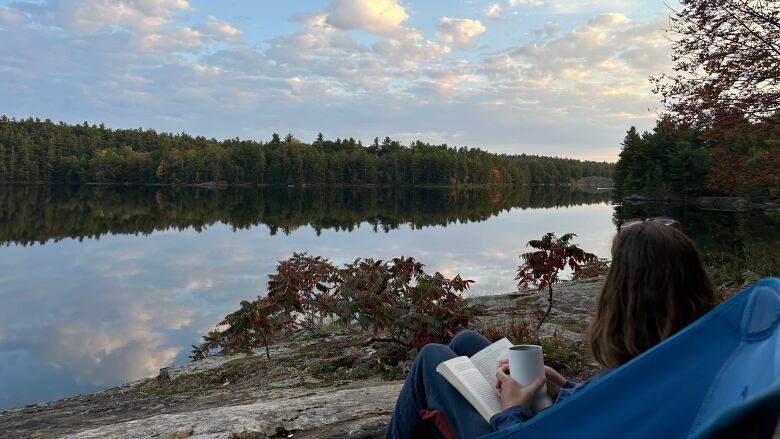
(526, 363)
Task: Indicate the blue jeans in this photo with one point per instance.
(426, 389)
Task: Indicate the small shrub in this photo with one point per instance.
(400, 299)
(592, 269)
(493, 332)
(540, 268)
(566, 358)
(395, 298)
(299, 299)
(519, 330)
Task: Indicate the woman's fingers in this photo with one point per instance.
(513, 394)
(503, 364)
(536, 384)
(501, 374)
(553, 376)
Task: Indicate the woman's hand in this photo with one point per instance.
(512, 393)
(554, 381)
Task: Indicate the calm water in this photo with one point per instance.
(104, 285)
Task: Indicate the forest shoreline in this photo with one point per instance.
(227, 185)
(35, 150)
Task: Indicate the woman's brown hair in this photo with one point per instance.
(655, 286)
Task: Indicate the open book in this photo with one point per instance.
(475, 377)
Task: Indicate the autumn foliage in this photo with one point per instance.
(540, 268)
(726, 62)
(732, 172)
(391, 300)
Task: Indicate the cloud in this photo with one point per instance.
(220, 30)
(148, 23)
(325, 53)
(408, 50)
(515, 3)
(459, 31)
(115, 345)
(607, 20)
(94, 15)
(551, 28)
(180, 39)
(380, 17)
(597, 71)
(10, 17)
(493, 11)
(318, 41)
(444, 85)
(187, 38)
(103, 357)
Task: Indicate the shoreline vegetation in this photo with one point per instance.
(32, 150)
(679, 162)
(582, 183)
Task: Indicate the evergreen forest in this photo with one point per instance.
(677, 161)
(32, 150)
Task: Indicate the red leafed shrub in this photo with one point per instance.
(540, 267)
(396, 299)
(727, 172)
(592, 269)
(732, 172)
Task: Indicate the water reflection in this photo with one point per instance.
(103, 285)
(738, 246)
(37, 214)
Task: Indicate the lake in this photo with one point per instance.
(102, 285)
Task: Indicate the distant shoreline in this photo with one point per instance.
(226, 185)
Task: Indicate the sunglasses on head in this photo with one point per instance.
(665, 220)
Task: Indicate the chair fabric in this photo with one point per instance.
(719, 377)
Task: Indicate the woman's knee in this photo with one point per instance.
(434, 353)
(468, 340)
(467, 335)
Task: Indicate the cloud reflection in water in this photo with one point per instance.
(80, 316)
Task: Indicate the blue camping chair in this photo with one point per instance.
(719, 377)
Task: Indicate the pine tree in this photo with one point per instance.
(3, 168)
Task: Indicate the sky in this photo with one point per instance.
(551, 77)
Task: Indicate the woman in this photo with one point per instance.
(655, 286)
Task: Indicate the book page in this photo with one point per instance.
(473, 386)
(486, 360)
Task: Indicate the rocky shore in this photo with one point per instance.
(330, 385)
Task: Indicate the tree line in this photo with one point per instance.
(31, 214)
(35, 150)
(677, 160)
